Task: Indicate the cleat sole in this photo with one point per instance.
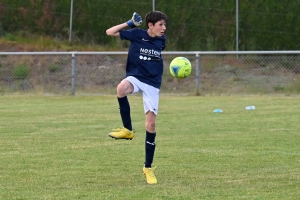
(120, 138)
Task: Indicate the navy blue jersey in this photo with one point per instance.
(144, 60)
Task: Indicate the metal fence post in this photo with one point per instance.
(73, 73)
(71, 21)
(153, 5)
(197, 75)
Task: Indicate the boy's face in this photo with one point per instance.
(158, 29)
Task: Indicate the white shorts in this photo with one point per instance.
(150, 94)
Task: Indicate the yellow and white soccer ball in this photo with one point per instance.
(180, 67)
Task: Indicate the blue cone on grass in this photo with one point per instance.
(217, 111)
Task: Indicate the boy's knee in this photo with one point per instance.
(150, 126)
(121, 90)
(124, 88)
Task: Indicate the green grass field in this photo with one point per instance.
(56, 147)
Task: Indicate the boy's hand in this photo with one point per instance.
(136, 20)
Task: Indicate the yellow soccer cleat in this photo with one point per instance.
(122, 133)
(150, 177)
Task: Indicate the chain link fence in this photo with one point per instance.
(213, 73)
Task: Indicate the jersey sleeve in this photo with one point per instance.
(127, 34)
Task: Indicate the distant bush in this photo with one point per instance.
(54, 68)
(198, 25)
(10, 37)
(21, 72)
(2, 32)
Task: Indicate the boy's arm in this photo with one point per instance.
(136, 20)
(115, 30)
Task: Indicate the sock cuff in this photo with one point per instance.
(122, 98)
(151, 135)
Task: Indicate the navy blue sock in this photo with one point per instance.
(125, 112)
(149, 148)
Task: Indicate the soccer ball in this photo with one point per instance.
(180, 67)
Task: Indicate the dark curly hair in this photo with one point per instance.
(155, 16)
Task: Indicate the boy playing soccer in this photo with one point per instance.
(144, 72)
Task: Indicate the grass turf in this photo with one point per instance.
(58, 148)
